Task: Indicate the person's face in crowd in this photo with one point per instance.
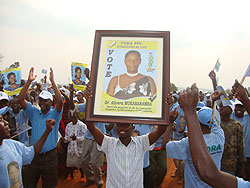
(4, 129)
(15, 105)
(74, 118)
(225, 111)
(124, 129)
(3, 103)
(209, 103)
(13, 173)
(78, 73)
(239, 110)
(12, 79)
(201, 96)
(45, 104)
(79, 96)
(132, 62)
(175, 99)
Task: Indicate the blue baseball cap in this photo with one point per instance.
(200, 105)
(175, 95)
(204, 116)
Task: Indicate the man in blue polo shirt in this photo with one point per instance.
(45, 163)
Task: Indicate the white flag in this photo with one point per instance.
(247, 73)
(217, 65)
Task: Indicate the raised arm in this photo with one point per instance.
(154, 135)
(56, 90)
(240, 93)
(22, 94)
(212, 75)
(201, 158)
(166, 136)
(97, 134)
(38, 146)
(71, 102)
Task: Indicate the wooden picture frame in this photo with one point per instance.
(130, 77)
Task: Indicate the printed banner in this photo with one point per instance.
(78, 75)
(12, 81)
(130, 79)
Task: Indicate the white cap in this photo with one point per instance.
(3, 96)
(237, 102)
(46, 95)
(79, 91)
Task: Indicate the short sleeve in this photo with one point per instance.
(242, 184)
(27, 153)
(178, 149)
(105, 144)
(144, 139)
(30, 110)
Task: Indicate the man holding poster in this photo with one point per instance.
(132, 84)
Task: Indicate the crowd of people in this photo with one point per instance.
(208, 138)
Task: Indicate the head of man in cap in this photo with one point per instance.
(4, 99)
(45, 101)
(204, 116)
(225, 112)
(239, 109)
(79, 96)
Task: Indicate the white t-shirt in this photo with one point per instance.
(125, 163)
(13, 155)
(242, 184)
(180, 150)
(75, 147)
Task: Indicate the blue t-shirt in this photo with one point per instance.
(21, 119)
(245, 122)
(38, 122)
(180, 150)
(178, 121)
(13, 155)
(144, 129)
(242, 184)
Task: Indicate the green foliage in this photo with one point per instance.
(173, 87)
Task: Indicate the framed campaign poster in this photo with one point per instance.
(130, 77)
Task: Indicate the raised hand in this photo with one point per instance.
(50, 124)
(216, 95)
(173, 115)
(212, 75)
(32, 77)
(51, 75)
(170, 100)
(239, 91)
(189, 98)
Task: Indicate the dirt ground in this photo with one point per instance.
(75, 183)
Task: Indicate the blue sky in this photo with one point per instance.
(54, 33)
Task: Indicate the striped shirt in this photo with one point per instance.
(125, 164)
